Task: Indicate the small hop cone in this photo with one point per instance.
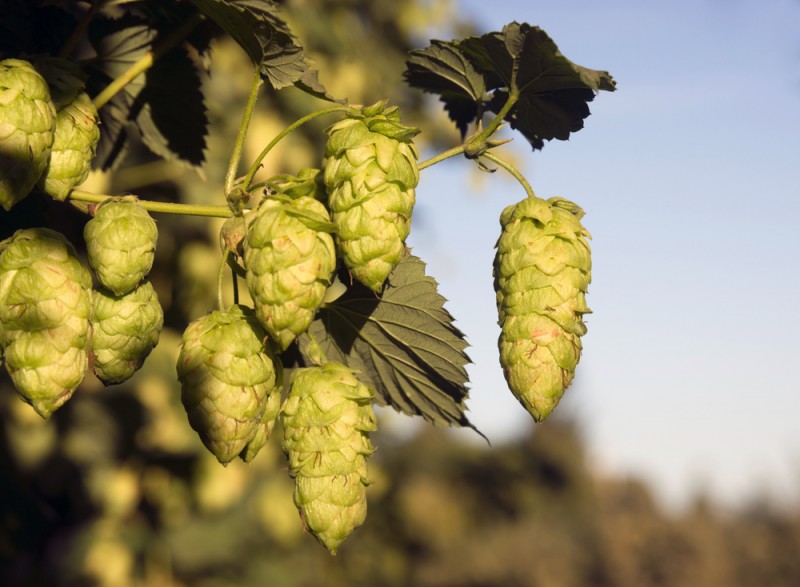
(125, 329)
(120, 243)
(76, 128)
(227, 377)
(290, 259)
(327, 418)
(44, 316)
(542, 271)
(370, 177)
(27, 125)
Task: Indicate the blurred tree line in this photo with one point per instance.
(116, 490)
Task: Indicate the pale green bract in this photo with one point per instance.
(227, 379)
(27, 124)
(44, 316)
(327, 418)
(370, 177)
(542, 271)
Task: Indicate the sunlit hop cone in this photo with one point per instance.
(76, 130)
(120, 243)
(27, 124)
(370, 176)
(227, 377)
(290, 258)
(542, 271)
(125, 329)
(326, 420)
(44, 316)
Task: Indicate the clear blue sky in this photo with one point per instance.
(690, 176)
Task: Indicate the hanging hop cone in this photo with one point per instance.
(227, 377)
(326, 420)
(44, 316)
(120, 243)
(370, 176)
(27, 124)
(290, 258)
(125, 329)
(542, 271)
(76, 131)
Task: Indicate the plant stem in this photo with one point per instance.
(498, 120)
(296, 124)
(79, 31)
(441, 157)
(236, 156)
(220, 279)
(163, 207)
(146, 61)
(512, 170)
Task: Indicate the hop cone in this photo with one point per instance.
(44, 316)
(124, 330)
(326, 420)
(370, 176)
(120, 243)
(290, 259)
(76, 130)
(542, 271)
(227, 377)
(27, 122)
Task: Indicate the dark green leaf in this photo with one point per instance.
(404, 344)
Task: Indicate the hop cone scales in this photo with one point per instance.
(44, 316)
(327, 418)
(227, 377)
(542, 271)
(370, 176)
(125, 329)
(27, 124)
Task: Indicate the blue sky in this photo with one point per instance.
(690, 178)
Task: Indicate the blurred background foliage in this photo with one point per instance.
(116, 490)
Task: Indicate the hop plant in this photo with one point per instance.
(227, 379)
(120, 243)
(125, 329)
(326, 420)
(542, 271)
(27, 124)
(290, 258)
(44, 316)
(76, 131)
(370, 176)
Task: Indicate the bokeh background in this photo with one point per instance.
(674, 458)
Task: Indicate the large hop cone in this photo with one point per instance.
(44, 316)
(120, 243)
(542, 271)
(125, 329)
(326, 420)
(370, 176)
(227, 377)
(27, 122)
(290, 259)
(76, 130)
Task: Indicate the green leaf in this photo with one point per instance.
(404, 345)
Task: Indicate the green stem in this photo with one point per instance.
(146, 61)
(163, 207)
(512, 170)
(296, 124)
(498, 120)
(79, 31)
(236, 156)
(441, 157)
(221, 279)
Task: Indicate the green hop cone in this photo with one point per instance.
(326, 419)
(121, 243)
(125, 329)
(542, 271)
(44, 316)
(76, 130)
(227, 377)
(370, 176)
(27, 124)
(290, 258)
